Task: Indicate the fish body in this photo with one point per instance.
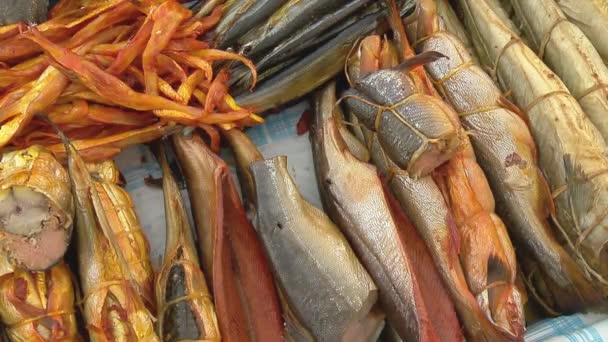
(377, 234)
(506, 152)
(105, 286)
(38, 305)
(592, 17)
(317, 272)
(310, 72)
(452, 24)
(233, 258)
(186, 311)
(113, 297)
(255, 14)
(416, 130)
(133, 243)
(571, 155)
(422, 199)
(423, 202)
(36, 210)
(570, 54)
(284, 22)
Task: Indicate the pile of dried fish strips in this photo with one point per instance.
(112, 74)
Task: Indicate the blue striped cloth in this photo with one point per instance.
(574, 328)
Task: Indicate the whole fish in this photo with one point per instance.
(185, 306)
(421, 198)
(504, 148)
(36, 209)
(295, 44)
(286, 21)
(318, 273)
(381, 237)
(310, 72)
(591, 16)
(423, 202)
(301, 323)
(38, 305)
(26, 11)
(486, 253)
(123, 220)
(113, 303)
(568, 52)
(572, 153)
(233, 259)
(254, 15)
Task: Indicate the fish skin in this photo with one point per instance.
(312, 71)
(28, 11)
(451, 22)
(231, 12)
(435, 137)
(591, 17)
(180, 276)
(257, 13)
(570, 149)
(365, 216)
(245, 153)
(234, 261)
(570, 54)
(293, 45)
(284, 22)
(317, 271)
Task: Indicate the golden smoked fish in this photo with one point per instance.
(113, 303)
(38, 305)
(185, 306)
(571, 154)
(36, 209)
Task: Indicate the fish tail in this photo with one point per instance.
(506, 306)
(499, 271)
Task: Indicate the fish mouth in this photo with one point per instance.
(32, 228)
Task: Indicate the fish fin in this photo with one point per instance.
(498, 270)
(437, 302)
(420, 60)
(507, 311)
